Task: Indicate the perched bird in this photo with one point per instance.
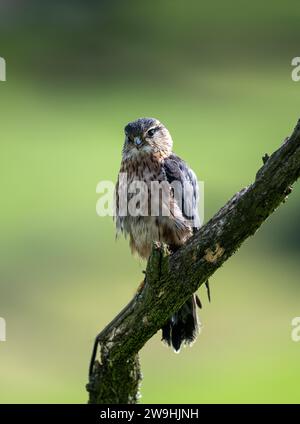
(147, 158)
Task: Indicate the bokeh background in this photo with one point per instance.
(218, 74)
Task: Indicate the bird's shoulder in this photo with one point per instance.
(176, 169)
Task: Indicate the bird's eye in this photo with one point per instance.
(151, 132)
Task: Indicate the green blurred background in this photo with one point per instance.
(218, 74)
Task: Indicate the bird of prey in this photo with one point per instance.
(147, 158)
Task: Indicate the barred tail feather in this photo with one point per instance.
(183, 326)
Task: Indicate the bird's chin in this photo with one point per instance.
(136, 152)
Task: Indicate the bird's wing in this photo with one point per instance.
(185, 186)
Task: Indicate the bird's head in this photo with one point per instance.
(146, 136)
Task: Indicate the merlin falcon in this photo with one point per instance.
(148, 159)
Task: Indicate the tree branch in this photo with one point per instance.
(171, 279)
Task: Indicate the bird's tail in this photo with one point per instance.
(182, 327)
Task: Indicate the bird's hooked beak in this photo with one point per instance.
(137, 141)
